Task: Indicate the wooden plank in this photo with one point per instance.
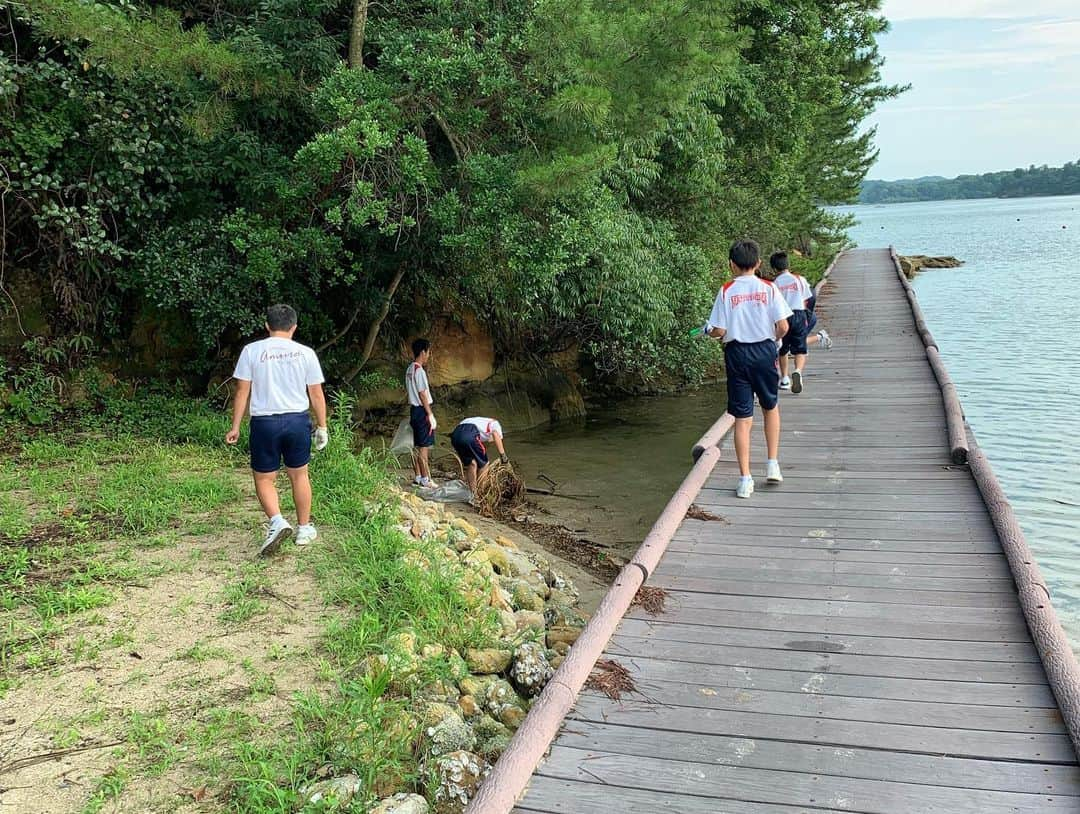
(720, 568)
(1011, 673)
(868, 764)
(555, 796)
(701, 533)
(789, 788)
(812, 558)
(950, 598)
(807, 702)
(837, 684)
(699, 602)
(879, 644)
(850, 530)
(1004, 632)
(1042, 748)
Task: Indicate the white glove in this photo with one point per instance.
(322, 438)
(433, 422)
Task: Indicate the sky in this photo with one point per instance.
(995, 85)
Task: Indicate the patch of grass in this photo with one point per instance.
(108, 787)
(201, 652)
(242, 598)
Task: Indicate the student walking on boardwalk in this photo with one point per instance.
(468, 440)
(421, 418)
(798, 295)
(751, 316)
(283, 378)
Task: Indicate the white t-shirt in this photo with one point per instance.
(795, 290)
(748, 309)
(415, 383)
(487, 427)
(280, 371)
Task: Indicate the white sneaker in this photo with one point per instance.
(772, 472)
(745, 487)
(276, 534)
(426, 483)
(306, 534)
(785, 383)
(826, 340)
(796, 382)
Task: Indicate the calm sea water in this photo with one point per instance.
(1005, 323)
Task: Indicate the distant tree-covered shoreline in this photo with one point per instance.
(1018, 183)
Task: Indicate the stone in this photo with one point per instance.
(457, 777)
(508, 622)
(464, 526)
(402, 804)
(334, 789)
(523, 597)
(440, 690)
(478, 557)
(445, 730)
(500, 599)
(504, 704)
(506, 542)
(557, 662)
(476, 686)
(512, 717)
(431, 651)
(465, 349)
(561, 648)
(530, 671)
(562, 633)
(491, 748)
(526, 621)
(468, 706)
(488, 660)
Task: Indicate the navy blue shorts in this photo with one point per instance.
(467, 444)
(811, 322)
(422, 434)
(751, 371)
(276, 437)
(795, 339)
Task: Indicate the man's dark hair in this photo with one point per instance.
(280, 317)
(419, 346)
(779, 261)
(745, 254)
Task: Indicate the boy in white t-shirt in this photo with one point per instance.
(468, 439)
(283, 378)
(421, 418)
(750, 316)
(797, 293)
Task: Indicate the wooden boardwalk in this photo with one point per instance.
(848, 641)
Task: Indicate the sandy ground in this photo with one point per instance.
(160, 653)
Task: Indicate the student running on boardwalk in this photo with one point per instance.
(751, 316)
(283, 378)
(798, 294)
(820, 336)
(421, 418)
(468, 440)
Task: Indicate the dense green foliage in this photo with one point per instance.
(1018, 183)
(571, 170)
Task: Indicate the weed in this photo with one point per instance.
(109, 787)
(241, 597)
(201, 652)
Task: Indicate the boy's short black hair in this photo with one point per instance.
(779, 261)
(419, 346)
(280, 317)
(745, 254)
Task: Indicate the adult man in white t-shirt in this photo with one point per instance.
(283, 378)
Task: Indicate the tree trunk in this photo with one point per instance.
(356, 33)
(373, 331)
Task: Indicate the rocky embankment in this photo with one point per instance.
(468, 704)
(912, 264)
